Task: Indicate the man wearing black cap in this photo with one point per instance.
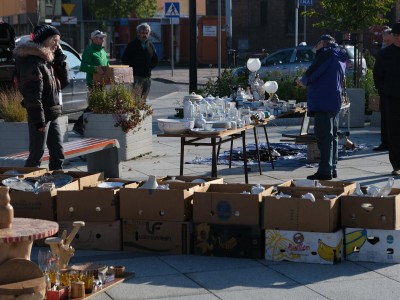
(387, 79)
(42, 72)
(324, 80)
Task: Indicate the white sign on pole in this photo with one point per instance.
(69, 20)
(209, 30)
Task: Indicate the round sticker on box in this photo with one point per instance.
(389, 239)
(224, 210)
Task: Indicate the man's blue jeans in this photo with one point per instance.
(325, 130)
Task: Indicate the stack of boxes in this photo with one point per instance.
(99, 209)
(371, 227)
(305, 230)
(206, 217)
(227, 220)
(157, 220)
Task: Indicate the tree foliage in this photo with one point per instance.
(351, 15)
(108, 9)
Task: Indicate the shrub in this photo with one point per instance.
(11, 109)
(126, 104)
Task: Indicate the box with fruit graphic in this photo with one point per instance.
(372, 245)
(304, 246)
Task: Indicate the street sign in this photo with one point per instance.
(68, 8)
(69, 20)
(306, 2)
(172, 10)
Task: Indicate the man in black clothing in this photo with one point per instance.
(386, 79)
(141, 55)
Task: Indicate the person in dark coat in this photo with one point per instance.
(386, 79)
(324, 82)
(141, 55)
(41, 73)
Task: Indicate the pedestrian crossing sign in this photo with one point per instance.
(172, 9)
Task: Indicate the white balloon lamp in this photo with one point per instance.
(271, 87)
(253, 64)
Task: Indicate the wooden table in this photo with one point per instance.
(216, 139)
(16, 242)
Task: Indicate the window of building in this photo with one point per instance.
(49, 2)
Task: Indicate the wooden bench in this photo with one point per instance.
(101, 155)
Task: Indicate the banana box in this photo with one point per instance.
(372, 245)
(304, 246)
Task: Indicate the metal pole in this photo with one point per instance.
(228, 28)
(296, 24)
(219, 38)
(305, 26)
(193, 46)
(172, 47)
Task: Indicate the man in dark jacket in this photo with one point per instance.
(42, 72)
(141, 55)
(386, 79)
(324, 82)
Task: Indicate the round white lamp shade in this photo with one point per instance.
(271, 87)
(253, 64)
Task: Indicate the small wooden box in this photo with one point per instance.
(115, 73)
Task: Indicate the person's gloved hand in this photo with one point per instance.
(59, 55)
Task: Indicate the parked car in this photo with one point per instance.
(293, 62)
(74, 95)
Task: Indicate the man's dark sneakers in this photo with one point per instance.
(334, 174)
(380, 148)
(319, 176)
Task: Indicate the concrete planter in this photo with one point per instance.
(132, 144)
(17, 137)
(357, 109)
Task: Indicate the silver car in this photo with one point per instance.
(292, 62)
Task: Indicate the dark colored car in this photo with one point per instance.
(293, 62)
(74, 95)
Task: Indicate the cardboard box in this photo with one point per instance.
(38, 206)
(374, 103)
(21, 172)
(85, 179)
(301, 214)
(226, 204)
(95, 235)
(305, 247)
(193, 179)
(371, 212)
(174, 204)
(329, 187)
(89, 205)
(114, 74)
(61, 294)
(372, 245)
(241, 241)
(145, 236)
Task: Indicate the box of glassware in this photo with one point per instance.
(302, 211)
(234, 203)
(372, 245)
(302, 246)
(368, 211)
(330, 187)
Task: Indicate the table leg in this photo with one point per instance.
(182, 155)
(219, 148)
(230, 154)
(214, 158)
(269, 147)
(257, 149)
(246, 177)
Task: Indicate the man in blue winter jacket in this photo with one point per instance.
(324, 82)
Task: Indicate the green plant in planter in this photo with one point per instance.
(11, 109)
(126, 104)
